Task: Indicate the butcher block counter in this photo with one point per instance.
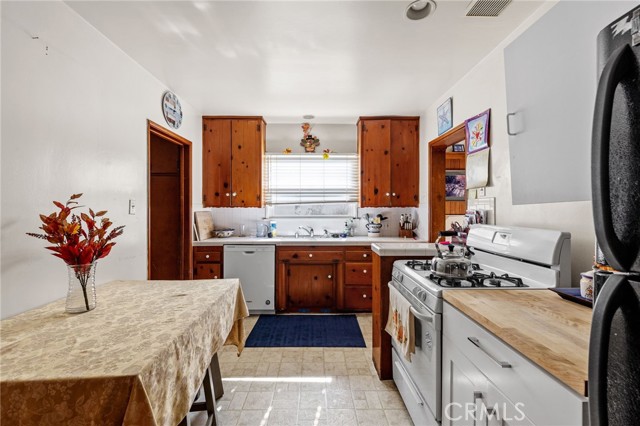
(551, 332)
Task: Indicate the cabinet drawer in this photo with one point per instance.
(207, 271)
(310, 255)
(357, 273)
(547, 401)
(357, 298)
(207, 256)
(359, 255)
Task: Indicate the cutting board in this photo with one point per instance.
(204, 225)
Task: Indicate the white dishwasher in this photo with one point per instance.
(255, 266)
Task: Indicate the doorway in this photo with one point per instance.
(169, 205)
(439, 162)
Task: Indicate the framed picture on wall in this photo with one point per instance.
(477, 132)
(455, 185)
(445, 116)
(459, 147)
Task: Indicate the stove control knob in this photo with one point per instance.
(428, 340)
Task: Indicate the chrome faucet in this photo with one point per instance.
(308, 229)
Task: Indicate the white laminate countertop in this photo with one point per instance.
(393, 248)
(302, 241)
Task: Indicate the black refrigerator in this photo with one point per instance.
(614, 351)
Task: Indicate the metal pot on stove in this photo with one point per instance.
(454, 263)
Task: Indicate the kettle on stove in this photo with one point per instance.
(454, 264)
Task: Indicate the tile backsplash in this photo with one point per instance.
(249, 217)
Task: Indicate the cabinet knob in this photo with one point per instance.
(364, 271)
(364, 296)
(227, 194)
(206, 256)
(234, 194)
(215, 277)
(393, 194)
(365, 255)
(387, 194)
(329, 276)
(310, 254)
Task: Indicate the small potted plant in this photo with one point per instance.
(79, 240)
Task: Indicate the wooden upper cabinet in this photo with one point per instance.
(232, 152)
(389, 161)
(375, 167)
(405, 163)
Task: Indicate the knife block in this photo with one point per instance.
(406, 233)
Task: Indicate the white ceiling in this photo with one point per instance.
(334, 59)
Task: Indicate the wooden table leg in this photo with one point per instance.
(217, 377)
(212, 386)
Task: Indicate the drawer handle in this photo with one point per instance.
(329, 276)
(364, 271)
(476, 342)
(310, 254)
(365, 255)
(207, 256)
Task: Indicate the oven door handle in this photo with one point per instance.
(410, 384)
(421, 316)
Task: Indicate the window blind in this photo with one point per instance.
(308, 178)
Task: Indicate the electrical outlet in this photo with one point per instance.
(482, 192)
(132, 206)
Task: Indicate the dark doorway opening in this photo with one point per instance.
(169, 205)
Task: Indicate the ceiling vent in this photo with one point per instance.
(487, 7)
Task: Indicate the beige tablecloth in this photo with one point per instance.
(137, 359)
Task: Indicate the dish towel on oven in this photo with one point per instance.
(400, 322)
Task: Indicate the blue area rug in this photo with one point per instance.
(286, 331)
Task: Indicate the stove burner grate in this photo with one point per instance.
(478, 279)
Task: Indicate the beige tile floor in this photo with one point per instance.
(305, 386)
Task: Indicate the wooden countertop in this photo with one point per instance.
(548, 330)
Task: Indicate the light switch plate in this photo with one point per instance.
(132, 206)
(482, 192)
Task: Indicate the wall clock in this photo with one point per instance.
(172, 109)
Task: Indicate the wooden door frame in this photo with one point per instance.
(437, 168)
(185, 182)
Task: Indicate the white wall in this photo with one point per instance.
(76, 123)
(342, 138)
(484, 87)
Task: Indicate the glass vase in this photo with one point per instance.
(81, 296)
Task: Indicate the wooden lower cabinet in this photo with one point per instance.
(310, 286)
(207, 263)
(323, 279)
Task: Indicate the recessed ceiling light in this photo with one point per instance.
(308, 117)
(420, 9)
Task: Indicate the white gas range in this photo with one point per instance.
(503, 258)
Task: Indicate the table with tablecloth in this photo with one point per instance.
(137, 359)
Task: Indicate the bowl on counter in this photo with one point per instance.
(223, 233)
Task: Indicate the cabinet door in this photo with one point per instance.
(551, 79)
(375, 152)
(405, 163)
(310, 286)
(216, 162)
(207, 271)
(463, 388)
(246, 161)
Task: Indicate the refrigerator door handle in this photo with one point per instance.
(615, 291)
(619, 255)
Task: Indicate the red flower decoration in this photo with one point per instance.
(78, 240)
